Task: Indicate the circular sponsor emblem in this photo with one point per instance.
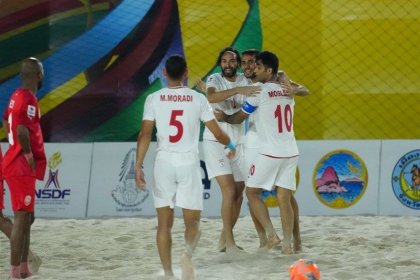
(340, 179)
(406, 179)
(27, 200)
(270, 197)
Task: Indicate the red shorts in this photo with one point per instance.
(22, 192)
(1, 195)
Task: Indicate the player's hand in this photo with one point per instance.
(141, 183)
(200, 85)
(30, 160)
(249, 90)
(230, 153)
(220, 115)
(287, 87)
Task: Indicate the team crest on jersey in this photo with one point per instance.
(11, 104)
(31, 112)
(27, 200)
(340, 179)
(126, 193)
(406, 179)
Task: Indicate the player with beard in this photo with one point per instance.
(251, 143)
(227, 91)
(24, 161)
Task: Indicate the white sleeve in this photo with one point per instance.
(205, 109)
(149, 111)
(212, 82)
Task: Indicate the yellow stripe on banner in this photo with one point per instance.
(205, 31)
(52, 18)
(111, 61)
(62, 93)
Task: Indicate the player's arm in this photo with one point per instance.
(214, 96)
(291, 86)
(23, 137)
(143, 142)
(221, 136)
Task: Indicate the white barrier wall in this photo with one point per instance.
(335, 178)
(113, 190)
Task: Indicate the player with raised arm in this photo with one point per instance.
(177, 112)
(251, 143)
(227, 91)
(276, 161)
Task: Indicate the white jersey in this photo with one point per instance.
(177, 113)
(274, 122)
(229, 106)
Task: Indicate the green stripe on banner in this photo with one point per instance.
(124, 125)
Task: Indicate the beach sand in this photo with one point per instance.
(344, 247)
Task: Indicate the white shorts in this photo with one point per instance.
(249, 156)
(218, 164)
(177, 181)
(267, 172)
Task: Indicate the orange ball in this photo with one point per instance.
(304, 269)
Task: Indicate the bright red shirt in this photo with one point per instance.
(23, 109)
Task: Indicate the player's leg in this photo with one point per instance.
(164, 238)
(219, 167)
(17, 242)
(260, 211)
(239, 197)
(228, 189)
(284, 197)
(297, 243)
(5, 225)
(259, 228)
(286, 185)
(192, 235)
(248, 159)
(24, 265)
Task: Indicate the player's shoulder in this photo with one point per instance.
(214, 77)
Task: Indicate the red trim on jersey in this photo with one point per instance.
(270, 156)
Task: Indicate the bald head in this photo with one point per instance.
(32, 73)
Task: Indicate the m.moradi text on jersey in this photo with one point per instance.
(176, 98)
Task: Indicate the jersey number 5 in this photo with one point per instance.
(284, 116)
(174, 122)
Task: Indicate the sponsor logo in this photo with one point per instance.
(31, 111)
(52, 193)
(340, 179)
(406, 180)
(126, 194)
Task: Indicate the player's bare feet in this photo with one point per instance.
(272, 241)
(287, 249)
(187, 267)
(34, 262)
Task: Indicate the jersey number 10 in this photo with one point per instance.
(284, 116)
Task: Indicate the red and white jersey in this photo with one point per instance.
(177, 113)
(23, 110)
(274, 121)
(229, 106)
